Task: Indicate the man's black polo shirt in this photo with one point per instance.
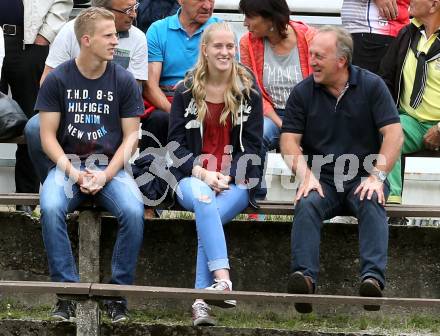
(348, 126)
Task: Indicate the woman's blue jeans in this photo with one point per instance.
(120, 196)
(271, 140)
(271, 132)
(212, 211)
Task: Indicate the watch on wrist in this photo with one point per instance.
(380, 175)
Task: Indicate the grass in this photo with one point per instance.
(186, 215)
(420, 324)
(378, 324)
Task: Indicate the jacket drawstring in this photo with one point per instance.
(241, 125)
(201, 132)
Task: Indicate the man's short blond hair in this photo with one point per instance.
(344, 41)
(85, 22)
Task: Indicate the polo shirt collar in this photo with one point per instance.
(421, 27)
(416, 23)
(175, 24)
(353, 75)
(124, 34)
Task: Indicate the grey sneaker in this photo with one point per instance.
(200, 314)
(117, 311)
(64, 310)
(221, 285)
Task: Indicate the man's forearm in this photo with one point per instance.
(55, 152)
(294, 157)
(156, 97)
(390, 149)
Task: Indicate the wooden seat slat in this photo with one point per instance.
(96, 291)
(38, 287)
(266, 207)
(20, 140)
(186, 293)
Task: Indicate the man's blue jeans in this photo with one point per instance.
(42, 163)
(212, 211)
(310, 211)
(120, 196)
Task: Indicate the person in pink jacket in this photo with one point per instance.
(277, 51)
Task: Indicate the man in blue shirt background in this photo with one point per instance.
(173, 47)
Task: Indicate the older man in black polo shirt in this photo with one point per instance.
(341, 135)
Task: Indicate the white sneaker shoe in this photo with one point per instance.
(200, 314)
(221, 285)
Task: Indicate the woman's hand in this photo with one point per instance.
(217, 181)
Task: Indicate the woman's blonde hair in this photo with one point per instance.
(240, 83)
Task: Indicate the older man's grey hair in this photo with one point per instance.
(344, 42)
(101, 3)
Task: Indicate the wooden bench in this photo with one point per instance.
(89, 292)
(97, 291)
(266, 207)
(88, 295)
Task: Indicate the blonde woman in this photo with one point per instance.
(217, 120)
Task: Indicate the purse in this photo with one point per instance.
(12, 118)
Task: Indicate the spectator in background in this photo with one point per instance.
(28, 29)
(131, 53)
(373, 24)
(150, 11)
(411, 71)
(342, 113)
(90, 155)
(217, 106)
(277, 50)
(173, 47)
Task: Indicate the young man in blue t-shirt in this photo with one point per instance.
(89, 109)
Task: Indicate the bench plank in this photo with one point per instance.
(186, 293)
(266, 207)
(97, 291)
(19, 199)
(36, 287)
(20, 140)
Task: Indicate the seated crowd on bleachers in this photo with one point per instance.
(341, 105)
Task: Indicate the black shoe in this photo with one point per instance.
(117, 311)
(370, 287)
(27, 209)
(64, 310)
(301, 284)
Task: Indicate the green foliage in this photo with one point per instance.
(374, 323)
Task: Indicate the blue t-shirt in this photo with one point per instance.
(91, 109)
(169, 44)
